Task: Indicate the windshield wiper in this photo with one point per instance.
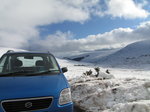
(15, 73)
(27, 73)
(43, 72)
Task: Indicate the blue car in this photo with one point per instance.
(33, 82)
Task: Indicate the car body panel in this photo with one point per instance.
(43, 85)
(27, 86)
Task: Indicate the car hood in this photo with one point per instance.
(31, 86)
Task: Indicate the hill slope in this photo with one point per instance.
(92, 56)
(135, 54)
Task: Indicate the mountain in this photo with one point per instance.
(91, 56)
(135, 54)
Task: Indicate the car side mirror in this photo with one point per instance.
(64, 69)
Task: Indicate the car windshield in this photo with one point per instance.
(27, 64)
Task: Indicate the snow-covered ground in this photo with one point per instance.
(76, 69)
(130, 73)
(127, 91)
(96, 95)
(123, 90)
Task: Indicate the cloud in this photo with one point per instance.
(40, 12)
(62, 43)
(19, 20)
(127, 9)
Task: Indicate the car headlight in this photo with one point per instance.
(65, 96)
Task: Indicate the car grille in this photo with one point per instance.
(29, 104)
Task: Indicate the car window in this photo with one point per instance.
(28, 62)
(2, 62)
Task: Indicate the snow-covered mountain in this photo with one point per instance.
(91, 56)
(136, 55)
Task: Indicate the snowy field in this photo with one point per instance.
(130, 73)
(123, 90)
(126, 90)
(76, 69)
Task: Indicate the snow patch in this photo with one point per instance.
(96, 95)
(139, 106)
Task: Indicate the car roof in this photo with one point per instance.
(27, 52)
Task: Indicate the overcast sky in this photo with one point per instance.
(73, 25)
